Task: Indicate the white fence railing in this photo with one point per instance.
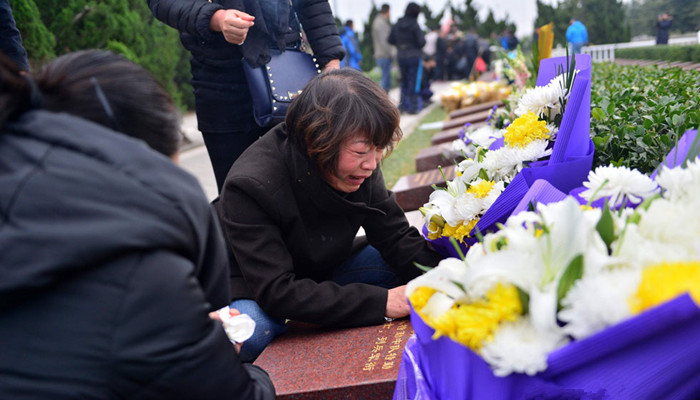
(606, 52)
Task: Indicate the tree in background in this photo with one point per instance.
(467, 18)
(432, 21)
(36, 38)
(123, 26)
(366, 42)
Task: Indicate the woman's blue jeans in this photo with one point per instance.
(365, 266)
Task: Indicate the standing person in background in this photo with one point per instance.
(440, 55)
(471, 50)
(576, 35)
(218, 34)
(10, 38)
(383, 51)
(663, 25)
(353, 55)
(110, 256)
(409, 40)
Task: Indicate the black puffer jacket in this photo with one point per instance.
(191, 18)
(408, 38)
(110, 260)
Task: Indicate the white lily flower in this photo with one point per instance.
(442, 278)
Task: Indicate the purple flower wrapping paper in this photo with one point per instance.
(653, 355)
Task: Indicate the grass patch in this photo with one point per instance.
(402, 161)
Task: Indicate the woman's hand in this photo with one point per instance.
(233, 24)
(331, 65)
(232, 312)
(396, 303)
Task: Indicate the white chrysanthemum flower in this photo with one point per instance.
(621, 184)
(680, 183)
(598, 301)
(467, 207)
(544, 101)
(504, 163)
(517, 347)
(667, 231)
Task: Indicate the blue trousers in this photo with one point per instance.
(385, 66)
(409, 75)
(365, 266)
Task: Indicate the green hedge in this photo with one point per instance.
(665, 52)
(638, 113)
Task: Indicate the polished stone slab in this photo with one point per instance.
(412, 191)
(309, 363)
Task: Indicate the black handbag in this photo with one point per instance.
(274, 85)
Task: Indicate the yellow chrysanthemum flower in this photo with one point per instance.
(525, 130)
(481, 189)
(475, 323)
(665, 281)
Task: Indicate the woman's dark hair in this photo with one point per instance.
(99, 86)
(336, 106)
(412, 10)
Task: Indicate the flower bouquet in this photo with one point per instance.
(549, 140)
(567, 301)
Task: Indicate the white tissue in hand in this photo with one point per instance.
(238, 328)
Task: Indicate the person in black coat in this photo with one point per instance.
(219, 34)
(292, 206)
(111, 258)
(663, 25)
(409, 40)
(10, 39)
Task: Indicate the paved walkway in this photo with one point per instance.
(195, 160)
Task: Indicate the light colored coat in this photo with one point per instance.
(381, 28)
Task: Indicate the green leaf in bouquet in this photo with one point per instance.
(573, 272)
(436, 187)
(532, 205)
(454, 243)
(524, 298)
(483, 175)
(422, 267)
(606, 226)
(647, 202)
(598, 113)
(478, 234)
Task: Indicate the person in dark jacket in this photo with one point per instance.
(110, 256)
(292, 206)
(663, 24)
(409, 40)
(10, 39)
(218, 34)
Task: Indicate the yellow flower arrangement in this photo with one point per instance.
(525, 130)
